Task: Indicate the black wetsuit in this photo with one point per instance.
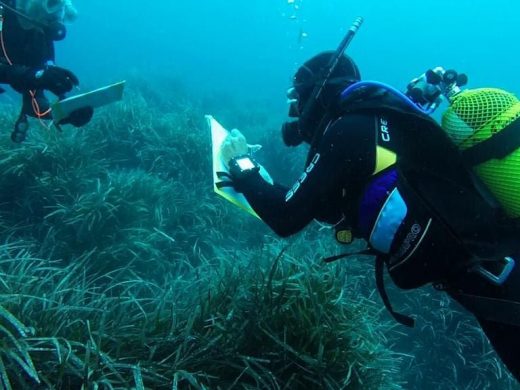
(332, 188)
(345, 155)
(28, 47)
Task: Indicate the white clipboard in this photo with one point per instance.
(218, 135)
(96, 98)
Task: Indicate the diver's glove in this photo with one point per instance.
(236, 145)
(79, 117)
(241, 169)
(235, 154)
(51, 78)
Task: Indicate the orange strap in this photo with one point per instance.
(34, 102)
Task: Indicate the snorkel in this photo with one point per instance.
(54, 29)
(292, 131)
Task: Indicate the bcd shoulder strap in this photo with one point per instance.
(500, 145)
(380, 283)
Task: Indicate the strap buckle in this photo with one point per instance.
(499, 273)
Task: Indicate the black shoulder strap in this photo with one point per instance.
(380, 283)
(345, 255)
(498, 146)
(380, 265)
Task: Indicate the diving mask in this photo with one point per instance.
(54, 6)
(55, 14)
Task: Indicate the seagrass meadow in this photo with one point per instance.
(121, 269)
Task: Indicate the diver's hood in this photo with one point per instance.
(312, 117)
(314, 71)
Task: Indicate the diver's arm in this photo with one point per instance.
(3, 73)
(4, 76)
(268, 201)
(287, 211)
(7, 73)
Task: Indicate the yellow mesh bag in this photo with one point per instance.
(474, 116)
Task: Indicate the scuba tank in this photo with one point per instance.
(484, 124)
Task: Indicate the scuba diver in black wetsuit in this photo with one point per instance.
(28, 29)
(382, 170)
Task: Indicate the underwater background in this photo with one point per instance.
(119, 266)
(252, 48)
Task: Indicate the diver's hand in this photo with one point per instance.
(56, 80)
(241, 170)
(79, 117)
(236, 145)
(51, 78)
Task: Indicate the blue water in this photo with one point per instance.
(254, 47)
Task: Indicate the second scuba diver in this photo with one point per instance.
(381, 170)
(28, 30)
